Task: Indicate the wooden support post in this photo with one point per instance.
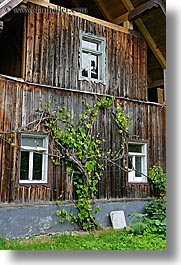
(23, 62)
(160, 95)
(165, 86)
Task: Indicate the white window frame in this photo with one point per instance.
(44, 151)
(100, 53)
(131, 172)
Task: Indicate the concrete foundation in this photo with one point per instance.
(23, 221)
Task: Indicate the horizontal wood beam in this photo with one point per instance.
(102, 22)
(20, 80)
(84, 16)
(156, 84)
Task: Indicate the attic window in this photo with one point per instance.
(92, 58)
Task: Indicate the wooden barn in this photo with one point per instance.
(72, 51)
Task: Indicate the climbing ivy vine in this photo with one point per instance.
(76, 143)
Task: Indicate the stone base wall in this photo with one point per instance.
(23, 221)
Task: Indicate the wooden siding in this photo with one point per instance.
(10, 118)
(52, 55)
(18, 103)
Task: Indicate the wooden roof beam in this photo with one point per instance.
(121, 19)
(159, 56)
(163, 7)
(76, 3)
(136, 12)
(104, 10)
(140, 10)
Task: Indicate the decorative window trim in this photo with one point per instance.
(132, 178)
(32, 150)
(100, 53)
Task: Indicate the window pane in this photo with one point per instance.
(37, 166)
(89, 45)
(85, 64)
(134, 148)
(138, 166)
(94, 66)
(33, 142)
(24, 169)
(130, 162)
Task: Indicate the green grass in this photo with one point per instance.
(100, 240)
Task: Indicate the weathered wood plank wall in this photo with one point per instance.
(10, 118)
(52, 57)
(148, 123)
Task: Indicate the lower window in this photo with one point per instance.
(137, 162)
(34, 158)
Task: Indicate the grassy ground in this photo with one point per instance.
(100, 240)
